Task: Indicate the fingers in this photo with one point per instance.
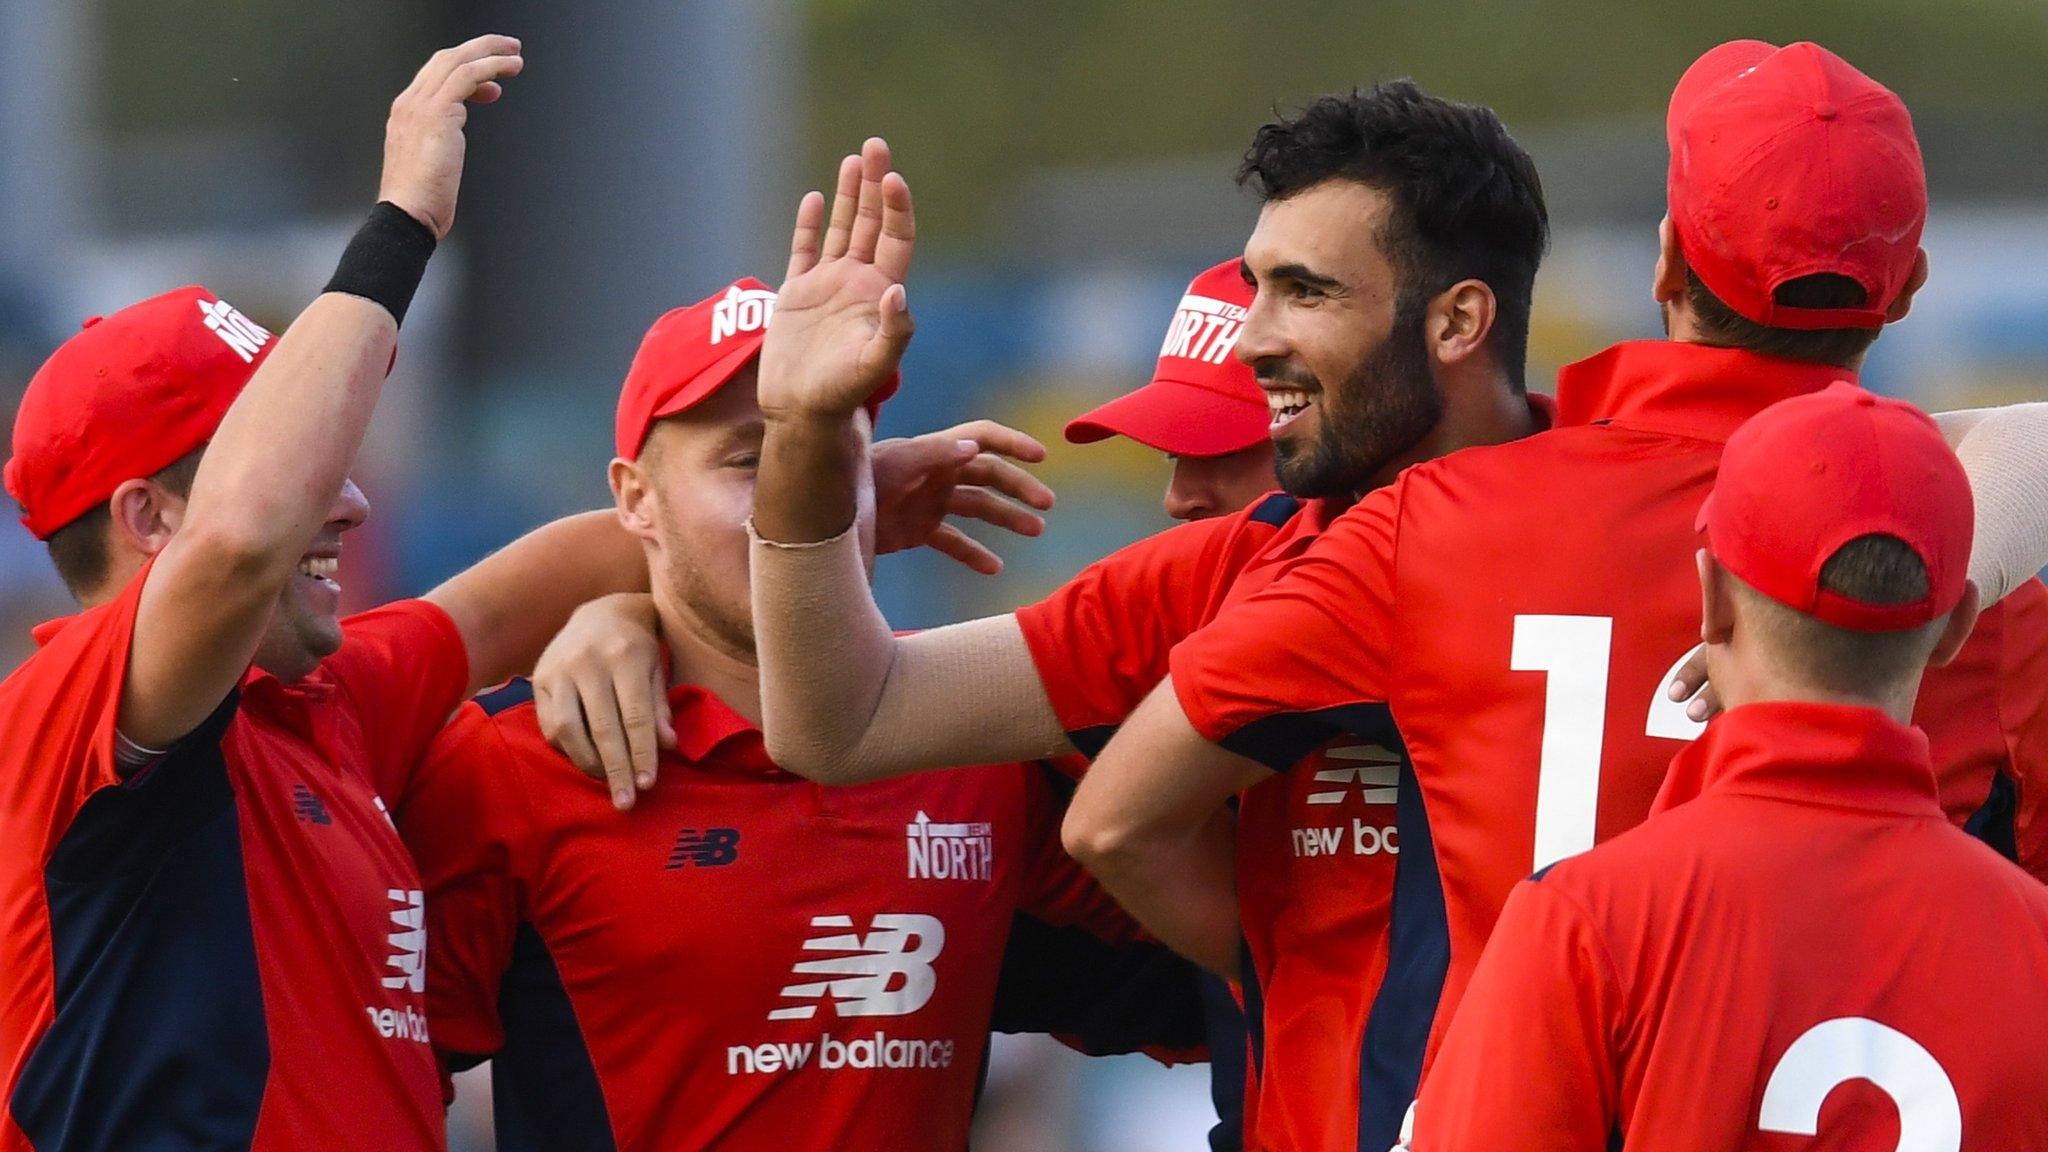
(845, 202)
(994, 437)
(893, 330)
(434, 74)
(465, 82)
(992, 471)
(1705, 706)
(867, 216)
(984, 505)
(664, 716)
(951, 541)
(899, 229)
(1690, 682)
(639, 703)
(803, 247)
(561, 721)
(608, 734)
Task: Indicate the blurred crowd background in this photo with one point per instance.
(1072, 164)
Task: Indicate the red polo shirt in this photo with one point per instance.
(223, 949)
(1797, 943)
(746, 960)
(1508, 618)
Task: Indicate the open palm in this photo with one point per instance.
(842, 319)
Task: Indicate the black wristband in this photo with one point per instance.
(385, 260)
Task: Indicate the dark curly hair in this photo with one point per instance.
(1467, 203)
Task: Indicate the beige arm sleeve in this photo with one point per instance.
(2005, 452)
(845, 701)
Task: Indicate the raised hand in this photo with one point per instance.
(842, 319)
(423, 140)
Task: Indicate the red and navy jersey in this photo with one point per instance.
(1798, 951)
(222, 949)
(1505, 620)
(1315, 849)
(747, 960)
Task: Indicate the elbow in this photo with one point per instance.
(238, 550)
(1102, 843)
(810, 759)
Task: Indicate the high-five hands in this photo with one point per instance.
(423, 140)
(842, 319)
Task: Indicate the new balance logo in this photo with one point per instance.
(310, 809)
(888, 972)
(704, 848)
(742, 310)
(409, 943)
(950, 851)
(235, 330)
(1204, 329)
(1374, 780)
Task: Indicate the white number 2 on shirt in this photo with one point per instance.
(1574, 651)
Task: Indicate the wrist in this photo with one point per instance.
(385, 260)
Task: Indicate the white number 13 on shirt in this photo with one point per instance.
(1574, 651)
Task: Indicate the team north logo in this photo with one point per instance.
(1204, 329)
(235, 330)
(741, 310)
(950, 851)
(887, 972)
(704, 848)
(409, 943)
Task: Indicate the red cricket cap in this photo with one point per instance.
(1788, 162)
(1202, 400)
(692, 352)
(1807, 475)
(128, 396)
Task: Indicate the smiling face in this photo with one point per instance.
(305, 628)
(1337, 346)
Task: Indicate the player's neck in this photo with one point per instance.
(700, 657)
(1484, 409)
(1762, 684)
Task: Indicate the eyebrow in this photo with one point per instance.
(1303, 274)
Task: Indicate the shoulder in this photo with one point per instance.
(499, 726)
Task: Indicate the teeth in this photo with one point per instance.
(320, 566)
(1286, 405)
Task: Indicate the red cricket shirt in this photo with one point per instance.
(746, 960)
(1807, 955)
(223, 949)
(1506, 618)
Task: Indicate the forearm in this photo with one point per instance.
(509, 605)
(2005, 452)
(1180, 882)
(808, 487)
(843, 700)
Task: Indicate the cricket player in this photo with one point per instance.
(746, 960)
(1504, 621)
(1795, 947)
(1202, 407)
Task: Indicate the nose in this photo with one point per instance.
(350, 507)
(1259, 339)
(1187, 498)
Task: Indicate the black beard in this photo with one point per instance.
(1385, 407)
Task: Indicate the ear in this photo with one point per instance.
(145, 516)
(1957, 631)
(1914, 282)
(1668, 285)
(632, 496)
(1717, 600)
(1459, 320)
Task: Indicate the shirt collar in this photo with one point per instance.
(1810, 753)
(708, 729)
(1693, 390)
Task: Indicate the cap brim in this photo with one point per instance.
(1176, 418)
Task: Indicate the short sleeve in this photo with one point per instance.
(1101, 641)
(460, 821)
(61, 707)
(1529, 1061)
(405, 669)
(1274, 675)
